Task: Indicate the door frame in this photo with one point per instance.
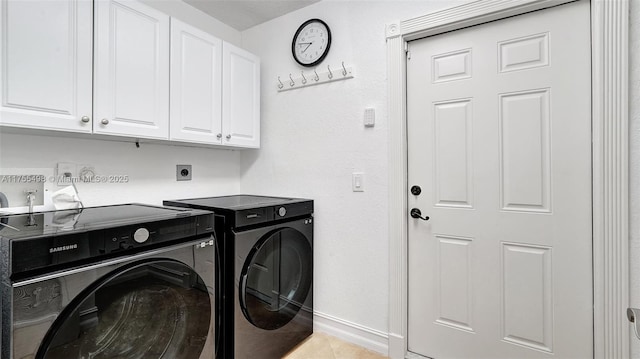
(610, 153)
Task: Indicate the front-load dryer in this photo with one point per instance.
(268, 271)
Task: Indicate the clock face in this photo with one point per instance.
(311, 42)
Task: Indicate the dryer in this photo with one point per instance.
(267, 271)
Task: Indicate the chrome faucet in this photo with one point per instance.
(31, 197)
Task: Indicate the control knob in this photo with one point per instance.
(141, 235)
(282, 211)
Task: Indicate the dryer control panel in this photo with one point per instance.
(249, 217)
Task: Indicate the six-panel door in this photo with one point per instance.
(499, 139)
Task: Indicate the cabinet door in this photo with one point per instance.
(196, 84)
(45, 64)
(240, 97)
(131, 85)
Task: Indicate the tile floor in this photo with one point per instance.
(323, 346)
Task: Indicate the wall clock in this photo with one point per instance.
(311, 42)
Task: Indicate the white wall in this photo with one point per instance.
(314, 138)
(634, 165)
(151, 168)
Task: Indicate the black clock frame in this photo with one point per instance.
(295, 36)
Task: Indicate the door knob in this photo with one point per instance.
(416, 190)
(416, 213)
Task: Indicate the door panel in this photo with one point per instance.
(45, 70)
(196, 84)
(131, 87)
(499, 136)
(240, 97)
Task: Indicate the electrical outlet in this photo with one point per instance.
(183, 172)
(65, 172)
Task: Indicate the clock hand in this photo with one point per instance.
(308, 44)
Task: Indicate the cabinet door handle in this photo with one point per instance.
(219, 136)
(228, 137)
(85, 119)
(104, 121)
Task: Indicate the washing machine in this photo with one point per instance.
(267, 271)
(125, 281)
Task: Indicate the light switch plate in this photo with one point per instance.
(369, 117)
(357, 181)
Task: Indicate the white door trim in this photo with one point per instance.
(610, 118)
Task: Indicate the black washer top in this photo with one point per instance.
(32, 244)
(235, 202)
(25, 225)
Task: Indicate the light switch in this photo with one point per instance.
(369, 117)
(357, 181)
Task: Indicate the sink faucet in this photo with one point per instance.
(31, 197)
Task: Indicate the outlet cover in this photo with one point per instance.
(183, 172)
(65, 173)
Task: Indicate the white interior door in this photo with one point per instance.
(499, 140)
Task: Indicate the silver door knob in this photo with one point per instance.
(85, 119)
(104, 121)
(228, 137)
(219, 136)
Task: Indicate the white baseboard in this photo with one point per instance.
(371, 339)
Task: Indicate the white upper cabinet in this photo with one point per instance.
(196, 85)
(240, 97)
(45, 64)
(131, 79)
(106, 66)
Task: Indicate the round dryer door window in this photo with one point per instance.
(152, 309)
(276, 279)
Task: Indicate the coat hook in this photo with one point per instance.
(304, 79)
(280, 85)
(317, 78)
(292, 83)
(330, 73)
(344, 71)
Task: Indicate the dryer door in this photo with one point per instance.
(276, 278)
(152, 308)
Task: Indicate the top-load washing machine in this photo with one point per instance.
(126, 281)
(267, 245)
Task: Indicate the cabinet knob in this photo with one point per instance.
(85, 119)
(219, 136)
(104, 121)
(228, 137)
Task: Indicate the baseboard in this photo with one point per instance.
(371, 339)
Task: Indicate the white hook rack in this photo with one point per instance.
(315, 78)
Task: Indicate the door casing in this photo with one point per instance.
(610, 153)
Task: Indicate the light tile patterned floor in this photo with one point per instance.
(323, 346)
